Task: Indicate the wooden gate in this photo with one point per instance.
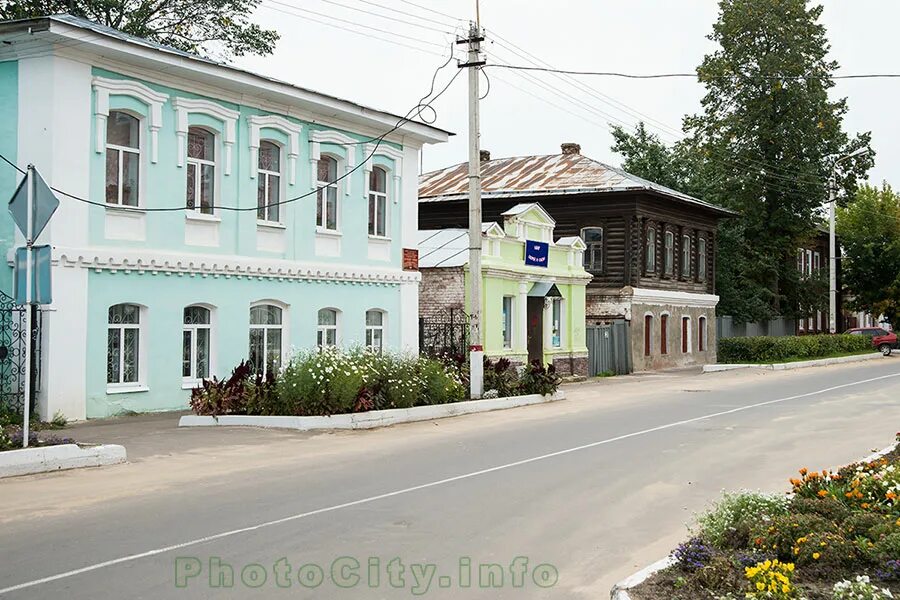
(609, 348)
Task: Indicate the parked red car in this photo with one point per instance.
(881, 338)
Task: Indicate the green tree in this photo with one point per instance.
(869, 228)
(198, 26)
(763, 145)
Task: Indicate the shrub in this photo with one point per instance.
(320, 382)
(886, 548)
(538, 379)
(824, 550)
(765, 349)
(222, 396)
(441, 384)
(771, 580)
(500, 376)
(829, 507)
(728, 523)
(867, 525)
(780, 535)
(860, 589)
(692, 554)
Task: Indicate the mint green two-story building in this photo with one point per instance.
(208, 215)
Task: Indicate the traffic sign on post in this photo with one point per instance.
(43, 205)
(40, 275)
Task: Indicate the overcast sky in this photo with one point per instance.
(533, 114)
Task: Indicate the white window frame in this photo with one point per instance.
(322, 330)
(192, 379)
(322, 187)
(120, 150)
(591, 246)
(689, 347)
(382, 196)
(371, 329)
(198, 163)
(284, 327)
(701, 258)
(650, 249)
(686, 243)
(669, 253)
(141, 328)
(266, 175)
(507, 331)
(554, 303)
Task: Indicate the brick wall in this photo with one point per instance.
(441, 289)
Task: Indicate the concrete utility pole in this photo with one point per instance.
(474, 62)
(832, 242)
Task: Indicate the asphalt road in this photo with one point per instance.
(564, 498)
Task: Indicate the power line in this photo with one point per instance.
(409, 14)
(418, 109)
(375, 14)
(694, 75)
(431, 10)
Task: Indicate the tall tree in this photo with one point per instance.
(869, 226)
(199, 26)
(764, 145)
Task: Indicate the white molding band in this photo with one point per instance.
(292, 130)
(329, 136)
(185, 106)
(649, 296)
(121, 260)
(104, 88)
(391, 153)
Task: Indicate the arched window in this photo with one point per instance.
(123, 158)
(123, 344)
(378, 202)
(327, 194)
(268, 182)
(664, 334)
(685, 335)
(196, 334)
(375, 330)
(265, 338)
(201, 170)
(648, 335)
(650, 249)
(328, 328)
(593, 255)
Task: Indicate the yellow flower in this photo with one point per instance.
(760, 586)
(816, 555)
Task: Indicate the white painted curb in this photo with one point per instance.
(57, 458)
(819, 362)
(372, 418)
(620, 590)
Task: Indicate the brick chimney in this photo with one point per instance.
(570, 148)
(485, 155)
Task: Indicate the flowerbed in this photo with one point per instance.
(11, 434)
(836, 537)
(332, 381)
(765, 349)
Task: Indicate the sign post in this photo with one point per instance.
(31, 207)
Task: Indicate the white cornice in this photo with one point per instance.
(105, 87)
(318, 137)
(541, 275)
(391, 153)
(207, 265)
(292, 130)
(185, 106)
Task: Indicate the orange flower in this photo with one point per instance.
(822, 493)
(891, 495)
(803, 471)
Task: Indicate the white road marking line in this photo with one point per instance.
(296, 517)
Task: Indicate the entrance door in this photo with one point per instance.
(535, 329)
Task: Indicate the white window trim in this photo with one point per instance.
(562, 323)
(652, 253)
(193, 381)
(120, 149)
(195, 212)
(665, 314)
(703, 329)
(512, 322)
(668, 265)
(703, 244)
(265, 173)
(285, 328)
(387, 203)
(186, 106)
(390, 153)
(648, 339)
(292, 130)
(141, 384)
(690, 333)
(382, 328)
(324, 328)
(323, 229)
(686, 237)
(316, 139)
(105, 87)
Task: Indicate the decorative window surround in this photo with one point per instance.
(104, 88)
(292, 130)
(316, 139)
(210, 265)
(186, 106)
(393, 154)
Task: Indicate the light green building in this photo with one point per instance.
(533, 286)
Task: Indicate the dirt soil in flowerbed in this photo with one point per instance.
(833, 526)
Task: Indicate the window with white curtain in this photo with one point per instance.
(375, 330)
(327, 330)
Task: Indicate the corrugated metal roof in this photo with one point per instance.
(549, 175)
(444, 247)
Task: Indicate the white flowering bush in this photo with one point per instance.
(728, 523)
(859, 589)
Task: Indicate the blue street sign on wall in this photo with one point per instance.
(40, 275)
(536, 253)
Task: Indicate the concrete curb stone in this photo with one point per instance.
(802, 364)
(43, 459)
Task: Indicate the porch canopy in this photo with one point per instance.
(543, 289)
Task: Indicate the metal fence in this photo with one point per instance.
(778, 327)
(446, 333)
(13, 346)
(609, 348)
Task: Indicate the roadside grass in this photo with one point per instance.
(793, 359)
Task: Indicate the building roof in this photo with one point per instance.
(549, 175)
(117, 45)
(445, 247)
